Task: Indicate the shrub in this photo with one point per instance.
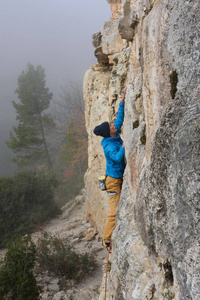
(26, 200)
(17, 281)
(57, 256)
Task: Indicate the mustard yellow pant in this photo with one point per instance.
(112, 185)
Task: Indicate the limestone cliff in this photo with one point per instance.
(153, 48)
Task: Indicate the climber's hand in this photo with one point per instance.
(123, 95)
(123, 146)
(124, 91)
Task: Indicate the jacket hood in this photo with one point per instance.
(106, 140)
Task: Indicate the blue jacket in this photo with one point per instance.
(113, 150)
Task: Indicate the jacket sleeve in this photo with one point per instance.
(116, 156)
(120, 117)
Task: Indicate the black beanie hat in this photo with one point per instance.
(103, 130)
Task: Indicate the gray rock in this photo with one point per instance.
(96, 39)
(85, 295)
(101, 57)
(125, 30)
(88, 225)
(91, 232)
(44, 295)
(84, 222)
(53, 287)
(54, 281)
(70, 293)
(59, 296)
(75, 241)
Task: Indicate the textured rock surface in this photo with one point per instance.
(153, 48)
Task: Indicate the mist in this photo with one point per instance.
(56, 34)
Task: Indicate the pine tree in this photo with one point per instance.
(29, 139)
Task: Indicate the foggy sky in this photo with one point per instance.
(56, 34)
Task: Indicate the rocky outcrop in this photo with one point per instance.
(152, 48)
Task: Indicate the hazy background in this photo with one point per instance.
(56, 34)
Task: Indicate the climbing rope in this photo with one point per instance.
(107, 269)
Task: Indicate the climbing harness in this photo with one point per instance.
(107, 269)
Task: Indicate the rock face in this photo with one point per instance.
(153, 48)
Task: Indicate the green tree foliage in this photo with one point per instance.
(17, 281)
(56, 255)
(29, 139)
(26, 200)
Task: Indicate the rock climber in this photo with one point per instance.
(114, 152)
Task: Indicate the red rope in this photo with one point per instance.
(107, 269)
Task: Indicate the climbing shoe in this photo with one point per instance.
(107, 245)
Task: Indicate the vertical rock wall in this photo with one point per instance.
(153, 48)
